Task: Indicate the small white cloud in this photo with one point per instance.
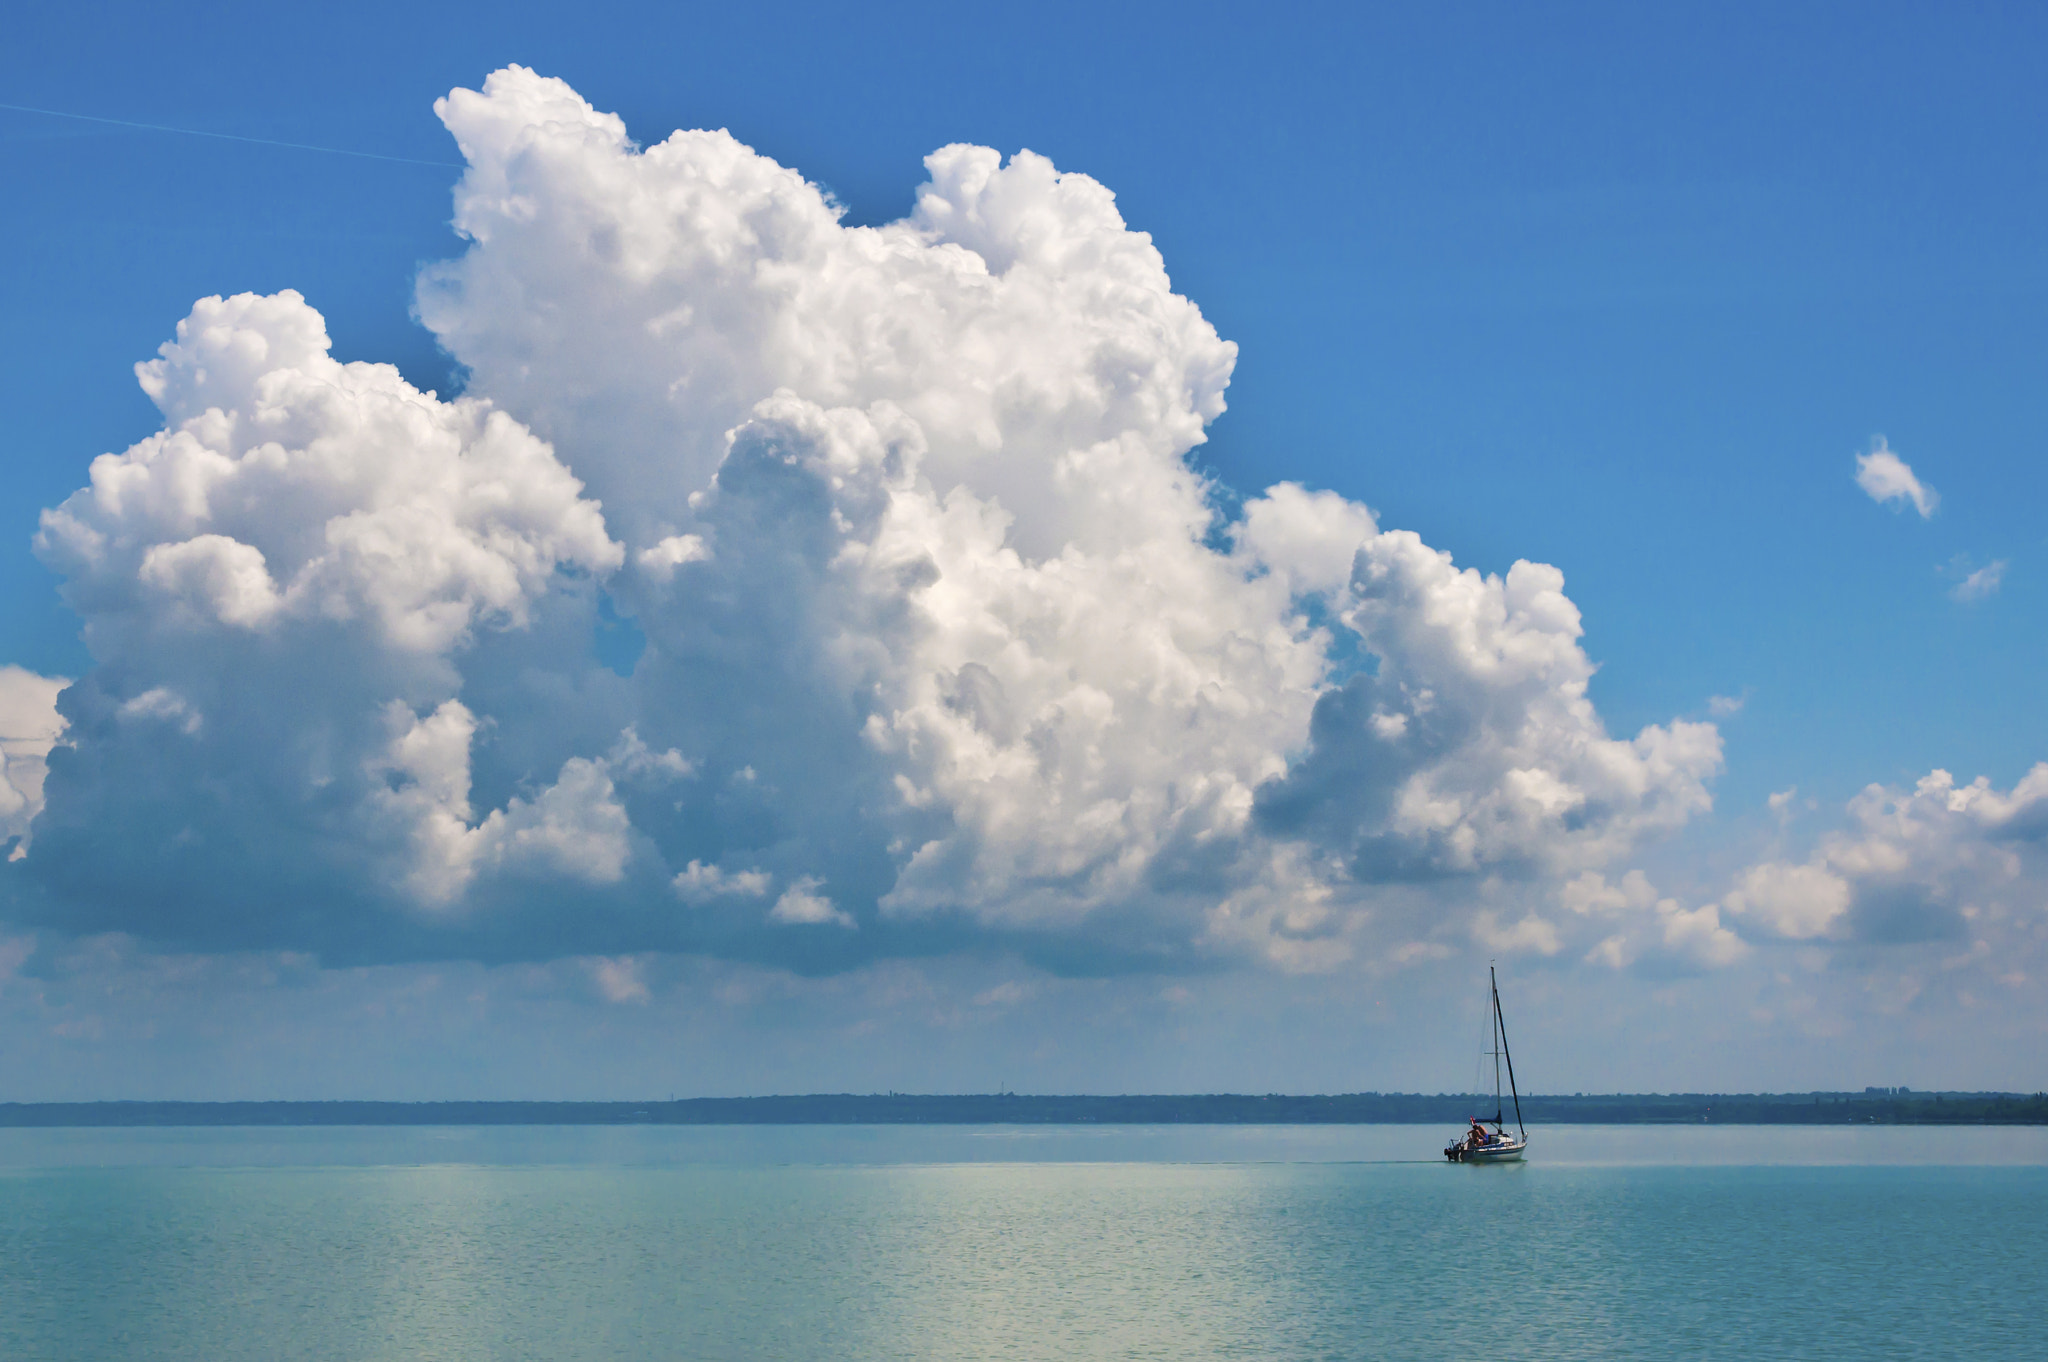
(801, 904)
(1590, 894)
(1721, 706)
(700, 883)
(1697, 934)
(1975, 586)
(161, 702)
(1887, 477)
(1532, 933)
(1654, 928)
(619, 978)
(1613, 952)
(630, 756)
(661, 561)
(1796, 901)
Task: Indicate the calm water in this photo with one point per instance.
(966, 1243)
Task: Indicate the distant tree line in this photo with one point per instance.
(1875, 1107)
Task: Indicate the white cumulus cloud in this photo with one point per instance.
(801, 903)
(1636, 926)
(1795, 901)
(1943, 861)
(1884, 476)
(946, 641)
(29, 727)
(1978, 584)
(1942, 881)
(278, 589)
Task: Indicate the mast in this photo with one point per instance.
(1494, 988)
(1501, 1026)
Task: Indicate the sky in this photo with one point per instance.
(1125, 549)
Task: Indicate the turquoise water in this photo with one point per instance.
(964, 1243)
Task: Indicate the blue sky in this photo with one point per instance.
(1616, 290)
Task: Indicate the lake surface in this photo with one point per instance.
(1019, 1243)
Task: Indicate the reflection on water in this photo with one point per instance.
(673, 1146)
(966, 1243)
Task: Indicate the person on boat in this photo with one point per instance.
(1478, 1138)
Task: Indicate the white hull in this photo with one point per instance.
(1510, 1152)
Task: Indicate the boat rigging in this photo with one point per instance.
(1480, 1145)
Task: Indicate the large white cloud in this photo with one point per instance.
(1472, 745)
(946, 642)
(279, 590)
(1941, 862)
(287, 488)
(1944, 881)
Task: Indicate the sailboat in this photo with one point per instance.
(1479, 1144)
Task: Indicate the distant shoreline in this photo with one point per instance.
(1872, 1107)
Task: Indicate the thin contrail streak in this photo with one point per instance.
(231, 137)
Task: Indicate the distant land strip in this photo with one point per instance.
(1876, 1106)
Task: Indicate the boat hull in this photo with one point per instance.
(1512, 1154)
